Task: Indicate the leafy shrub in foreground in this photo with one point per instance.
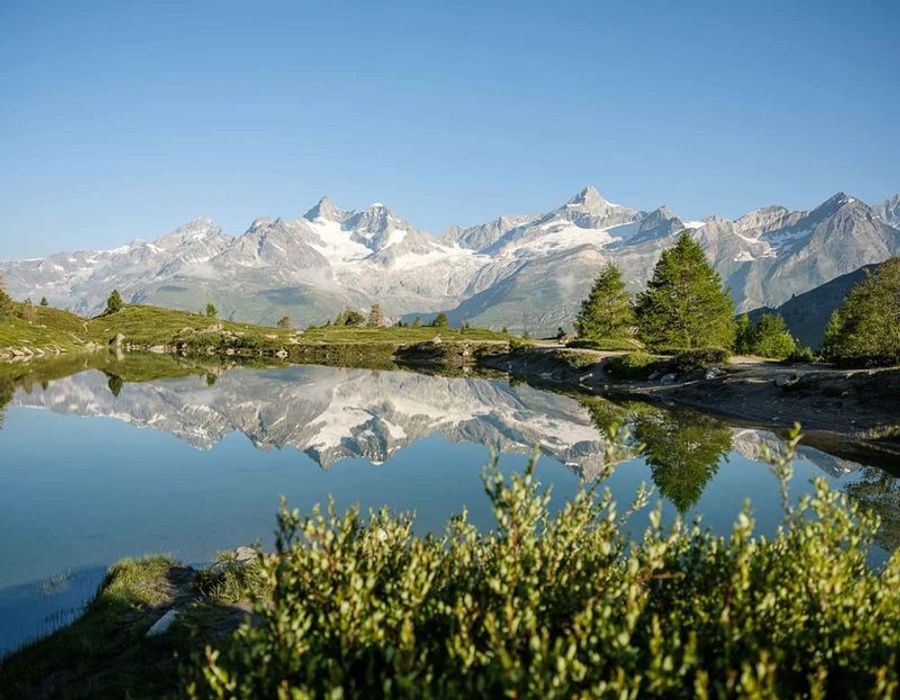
(564, 605)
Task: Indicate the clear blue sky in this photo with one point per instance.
(121, 120)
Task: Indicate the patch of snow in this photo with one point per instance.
(694, 225)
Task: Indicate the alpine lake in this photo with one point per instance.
(101, 460)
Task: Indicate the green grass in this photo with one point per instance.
(106, 654)
(148, 326)
(43, 327)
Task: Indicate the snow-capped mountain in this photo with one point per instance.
(519, 271)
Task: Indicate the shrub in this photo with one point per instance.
(692, 360)
(771, 338)
(562, 604)
(800, 355)
(609, 344)
(634, 365)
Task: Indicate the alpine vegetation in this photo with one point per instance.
(564, 604)
(685, 306)
(865, 330)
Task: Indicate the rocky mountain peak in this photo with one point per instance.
(590, 200)
(325, 209)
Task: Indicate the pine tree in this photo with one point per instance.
(114, 303)
(376, 316)
(743, 337)
(607, 312)
(211, 310)
(441, 320)
(771, 338)
(44, 302)
(684, 305)
(865, 330)
(285, 322)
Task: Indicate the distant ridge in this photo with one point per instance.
(526, 271)
(807, 314)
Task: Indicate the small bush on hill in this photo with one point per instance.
(800, 355)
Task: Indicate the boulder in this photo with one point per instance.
(786, 380)
(667, 379)
(714, 372)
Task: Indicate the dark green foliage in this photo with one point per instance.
(349, 317)
(683, 450)
(608, 344)
(114, 303)
(865, 330)
(743, 335)
(771, 338)
(211, 311)
(607, 312)
(692, 360)
(441, 320)
(684, 305)
(6, 302)
(44, 302)
(115, 384)
(634, 365)
(285, 323)
(800, 355)
(561, 604)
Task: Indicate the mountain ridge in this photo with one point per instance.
(521, 270)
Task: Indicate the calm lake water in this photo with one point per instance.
(94, 468)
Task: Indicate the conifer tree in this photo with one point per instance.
(684, 305)
(285, 322)
(114, 303)
(44, 302)
(743, 338)
(211, 310)
(865, 330)
(607, 312)
(441, 320)
(771, 338)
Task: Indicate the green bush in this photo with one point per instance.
(609, 344)
(563, 604)
(800, 355)
(692, 360)
(634, 365)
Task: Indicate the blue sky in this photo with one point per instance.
(123, 120)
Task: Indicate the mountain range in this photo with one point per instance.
(520, 271)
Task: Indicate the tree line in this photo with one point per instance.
(685, 307)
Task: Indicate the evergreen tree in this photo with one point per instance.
(771, 338)
(285, 322)
(684, 305)
(441, 320)
(607, 312)
(211, 310)
(349, 317)
(743, 337)
(865, 330)
(114, 303)
(44, 302)
(376, 316)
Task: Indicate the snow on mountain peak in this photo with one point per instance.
(590, 200)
